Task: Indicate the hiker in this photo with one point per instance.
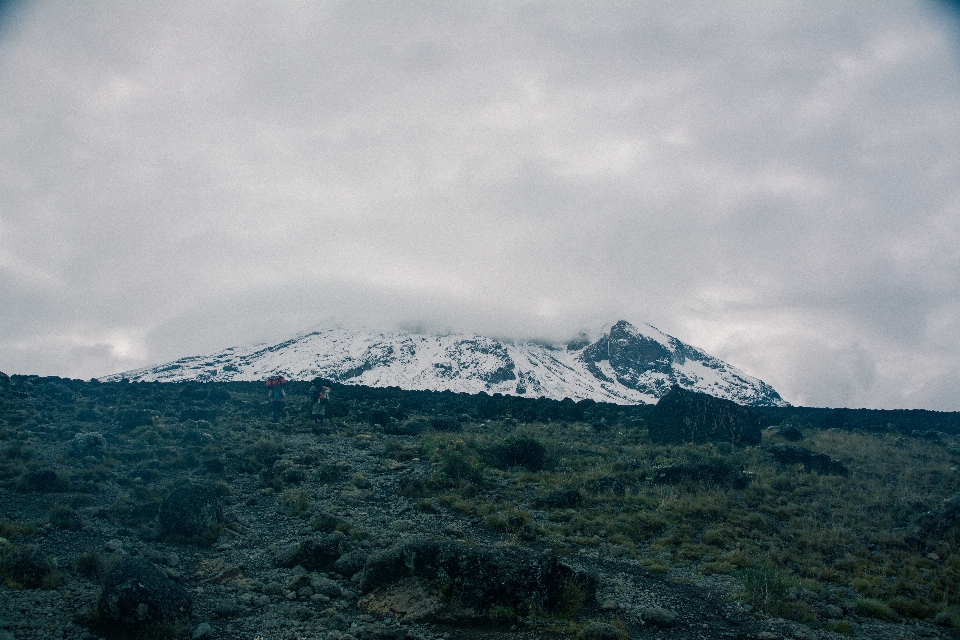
(320, 393)
(276, 394)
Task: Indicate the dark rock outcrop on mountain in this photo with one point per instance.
(653, 364)
(684, 416)
(630, 355)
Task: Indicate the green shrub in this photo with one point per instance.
(572, 598)
(840, 626)
(871, 608)
(765, 588)
(64, 517)
(915, 607)
(427, 506)
(502, 616)
(459, 467)
(519, 451)
(295, 502)
(324, 522)
(90, 564)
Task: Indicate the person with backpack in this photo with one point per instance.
(276, 394)
(320, 393)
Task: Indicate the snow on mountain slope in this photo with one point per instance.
(627, 365)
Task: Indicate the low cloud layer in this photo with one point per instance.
(773, 182)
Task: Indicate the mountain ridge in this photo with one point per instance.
(626, 365)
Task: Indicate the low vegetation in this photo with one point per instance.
(828, 516)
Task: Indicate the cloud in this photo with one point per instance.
(772, 182)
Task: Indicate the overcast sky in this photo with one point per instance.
(775, 182)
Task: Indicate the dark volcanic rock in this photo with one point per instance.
(456, 582)
(788, 454)
(193, 513)
(351, 562)
(684, 416)
(715, 472)
(313, 554)
(791, 433)
(138, 595)
(630, 355)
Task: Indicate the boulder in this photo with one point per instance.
(192, 513)
(683, 416)
(791, 433)
(314, 554)
(714, 472)
(351, 562)
(139, 596)
(440, 580)
(791, 454)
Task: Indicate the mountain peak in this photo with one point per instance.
(627, 365)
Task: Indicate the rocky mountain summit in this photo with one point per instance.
(626, 365)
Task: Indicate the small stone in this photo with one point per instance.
(113, 545)
(173, 560)
(203, 630)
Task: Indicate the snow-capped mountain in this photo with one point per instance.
(627, 365)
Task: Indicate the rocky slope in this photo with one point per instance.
(627, 365)
(120, 517)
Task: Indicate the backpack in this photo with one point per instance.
(322, 395)
(276, 381)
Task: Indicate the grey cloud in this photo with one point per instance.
(768, 181)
